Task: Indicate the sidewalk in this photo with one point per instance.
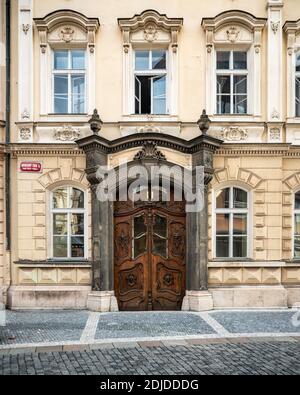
(48, 331)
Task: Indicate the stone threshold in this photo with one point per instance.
(183, 341)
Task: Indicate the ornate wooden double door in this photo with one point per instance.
(150, 249)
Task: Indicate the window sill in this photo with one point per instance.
(235, 118)
(245, 263)
(150, 118)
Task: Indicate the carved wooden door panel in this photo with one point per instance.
(150, 248)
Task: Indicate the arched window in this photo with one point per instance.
(231, 223)
(297, 226)
(68, 219)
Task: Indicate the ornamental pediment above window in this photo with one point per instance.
(150, 27)
(233, 27)
(67, 27)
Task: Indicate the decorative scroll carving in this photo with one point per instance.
(25, 28)
(275, 134)
(67, 34)
(25, 134)
(66, 133)
(168, 279)
(275, 114)
(275, 26)
(234, 133)
(131, 280)
(233, 34)
(149, 151)
(25, 114)
(150, 32)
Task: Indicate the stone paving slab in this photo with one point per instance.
(134, 325)
(42, 326)
(258, 321)
(260, 358)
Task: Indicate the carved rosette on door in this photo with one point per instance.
(150, 248)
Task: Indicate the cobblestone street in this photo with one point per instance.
(216, 342)
(246, 358)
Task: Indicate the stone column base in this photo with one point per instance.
(102, 301)
(197, 301)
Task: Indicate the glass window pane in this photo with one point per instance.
(77, 224)
(159, 246)
(297, 200)
(77, 198)
(223, 198)
(239, 247)
(223, 84)
(223, 60)
(138, 91)
(78, 94)
(78, 60)
(77, 247)
(159, 60)
(223, 104)
(240, 224)
(60, 224)
(298, 62)
(60, 198)
(61, 60)
(160, 226)
(297, 247)
(297, 224)
(61, 94)
(140, 246)
(139, 226)
(60, 247)
(159, 95)
(240, 198)
(222, 224)
(143, 91)
(222, 246)
(142, 60)
(240, 60)
(240, 84)
(240, 104)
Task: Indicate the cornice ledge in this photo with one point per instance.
(138, 139)
(42, 150)
(234, 16)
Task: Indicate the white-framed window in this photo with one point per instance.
(68, 223)
(69, 81)
(231, 223)
(297, 85)
(151, 82)
(297, 225)
(231, 82)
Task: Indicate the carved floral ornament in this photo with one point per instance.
(234, 133)
(233, 34)
(151, 23)
(25, 134)
(70, 26)
(66, 133)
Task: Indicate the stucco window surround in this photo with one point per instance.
(66, 30)
(248, 211)
(68, 211)
(234, 31)
(150, 31)
(292, 30)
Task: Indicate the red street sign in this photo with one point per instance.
(31, 167)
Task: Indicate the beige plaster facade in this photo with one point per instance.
(261, 150)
